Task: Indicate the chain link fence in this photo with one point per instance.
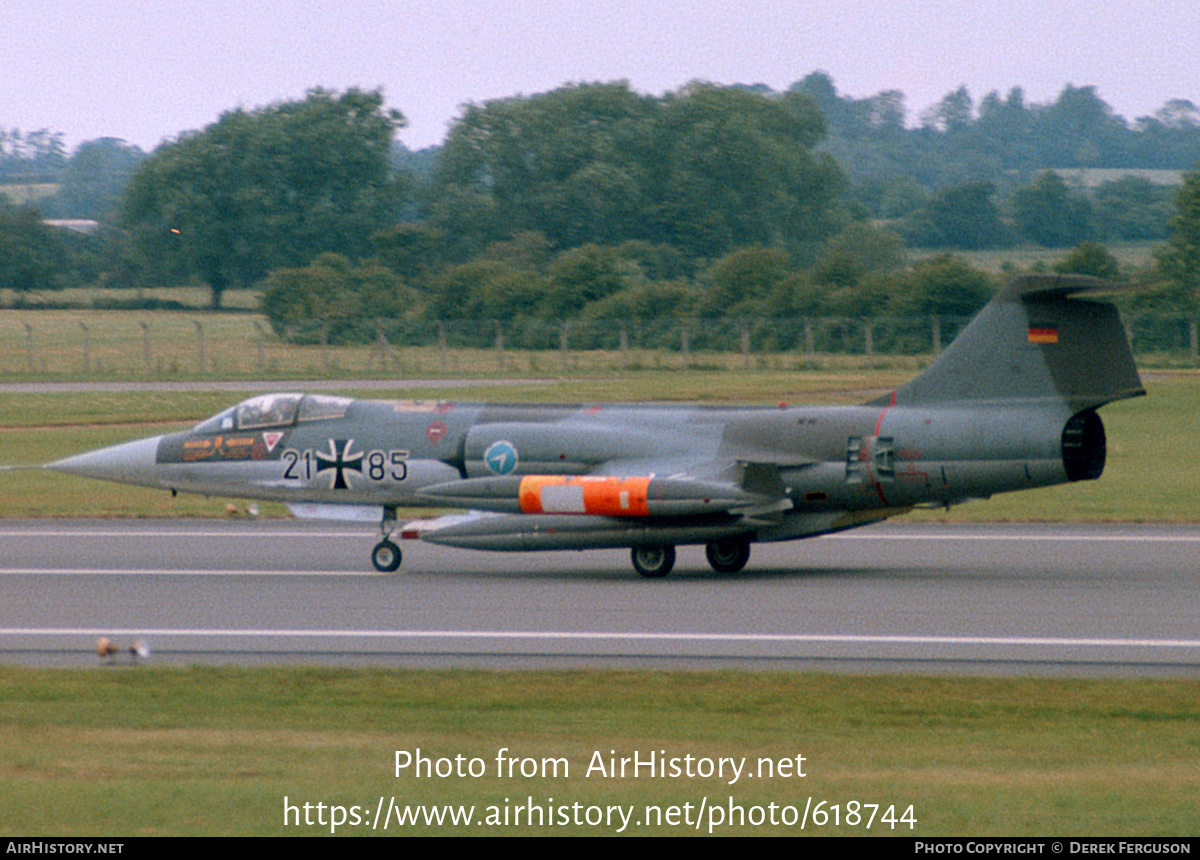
(56, 344)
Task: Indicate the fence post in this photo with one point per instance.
(936, 335)
(383, 348)
(200, 343)
(499, 344)
(745, 345)
(685, 345)
(809, 341)
(564, 343)
(29, 347)
(146, 347)
(441, 326)
(624, 346)
(1193, 339)
(87, 347)
(869, 336)
(258, 347)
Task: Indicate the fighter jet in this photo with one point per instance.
(1010, 405)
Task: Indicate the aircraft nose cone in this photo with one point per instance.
(129, 463)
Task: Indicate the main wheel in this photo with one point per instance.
(728, 555)
(653, 561)
(386, 556)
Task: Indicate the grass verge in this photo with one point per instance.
(206, 751)
(160, 751)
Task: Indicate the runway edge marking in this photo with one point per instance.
(797, 638)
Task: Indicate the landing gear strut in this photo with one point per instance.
(728, 555)
(654, 562)
(387, 556)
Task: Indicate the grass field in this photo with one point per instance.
(209, 751)
(106, 346)
(25, 194)
(1025, 258)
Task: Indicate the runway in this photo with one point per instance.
(897, 597)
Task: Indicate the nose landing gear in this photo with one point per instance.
(386, 556)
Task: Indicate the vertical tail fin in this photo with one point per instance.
(1037, 339)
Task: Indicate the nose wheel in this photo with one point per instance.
(387, 556)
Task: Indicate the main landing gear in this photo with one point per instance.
(387, 556)
(727, 555)
(653, 562)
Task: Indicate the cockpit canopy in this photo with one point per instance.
(275, 410)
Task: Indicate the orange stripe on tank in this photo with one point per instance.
(603, 496)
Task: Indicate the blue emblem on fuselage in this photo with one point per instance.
(501, 457)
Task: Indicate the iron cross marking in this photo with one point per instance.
(340, 459)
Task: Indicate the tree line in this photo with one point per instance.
(593, 201)
(990, 174)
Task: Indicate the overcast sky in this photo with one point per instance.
(145, 71)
